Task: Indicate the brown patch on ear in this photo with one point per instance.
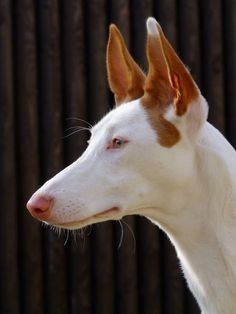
(126, 79)
(180, 78)
(168, 134)
(168, 83)
(159, 93)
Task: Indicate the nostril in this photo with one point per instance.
(40, 207)
(38, 211)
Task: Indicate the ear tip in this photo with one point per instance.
(153, 27)
(114, 33)
(113, 28)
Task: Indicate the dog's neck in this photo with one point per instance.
(202, 227)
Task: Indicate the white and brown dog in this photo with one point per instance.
(155, 155)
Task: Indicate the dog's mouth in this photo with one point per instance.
(111, 213)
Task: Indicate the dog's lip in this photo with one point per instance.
(110, 211)
(104, 214)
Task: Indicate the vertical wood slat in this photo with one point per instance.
(166, 13)
(75, 107)
(79, 273)
(50, 110)
(31, 291)
(126, 268)
(140, 10)
(212, 60)
(119, 14)
(173, 284)
(96, 36)
(149, 268)
(229, 9)
(103, 268)
(189, 37)
(74, 77)
(9, 294)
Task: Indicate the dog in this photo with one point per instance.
(156, 155)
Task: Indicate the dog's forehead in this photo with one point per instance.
(129, 117)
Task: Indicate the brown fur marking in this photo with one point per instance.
(168, 82)
(180, 78)
(168, 134)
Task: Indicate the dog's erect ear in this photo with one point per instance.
(168, 80)
(125, 78)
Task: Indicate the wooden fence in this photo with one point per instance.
(52, 67)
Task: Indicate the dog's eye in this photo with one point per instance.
(116, 143)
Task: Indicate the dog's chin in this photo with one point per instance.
(113, 213)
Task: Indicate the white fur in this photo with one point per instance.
(188, 190)
(152, 27)
(190, 125)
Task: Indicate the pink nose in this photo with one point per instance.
(40, 207)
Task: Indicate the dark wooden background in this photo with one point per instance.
(52, 67)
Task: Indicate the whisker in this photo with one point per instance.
(88, 230)
(78, 119)
(77, 127)
(44, 225)
(67, 232)
(58, 231)
(132, 233)
(121, 234)
(76, 131)
(74, 234)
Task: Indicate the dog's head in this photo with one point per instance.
(139, 152)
